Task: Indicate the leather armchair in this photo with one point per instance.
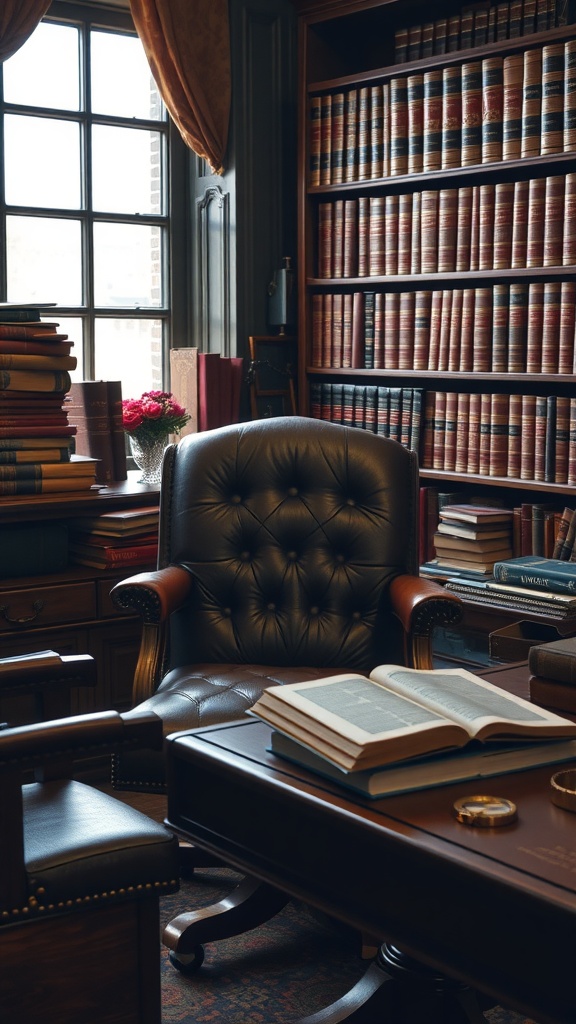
(288, 549)
(81, 874)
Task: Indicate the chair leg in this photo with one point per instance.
(250, 904)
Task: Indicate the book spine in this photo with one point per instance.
(325, 138)
(376, 234)
(551, 326)
(462, 419)
(391, 330)
(406, 330)
(483, 334)
(528, 437)
(567, 327)
(404, 233)
(398, 126)
(569, 100)
(347, 331)
(540, 438)
(358, 330)
(440, 36)
(439, 430)
(485, 433)
(350, 255)
(432, 120)
(536, 215)
(514, 437)
(369, 310)
(499, 416)
(337, 329)
(546, 661)
(317, 321)
(492, 108)
(315, 115)
(519, 224)
(535, 327)
(513, 73)
(444, 349)
(450, 431)
(415, 258)
(550, 446)
(451, 137)
(376, 131)
(561, 440)
(378, 331)
(486, 233)
(569, 233)
(468, 331)
(464, 228)
(391, 205)
(454, 341)
(337, 139)
(447, 229)
(533, 577)
(500, 315)
(351, 135)
(532, 103)
(562, 531)
(415, 100)
(553, 220)
(552, 129)
(327, 306)
(338, 238)
(503, 224)
(429, 231)
(422, 315)
(364, 145)
(363, 236)
(473, 463)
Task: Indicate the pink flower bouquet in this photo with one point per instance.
(153, 416)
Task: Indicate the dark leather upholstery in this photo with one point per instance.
(288, 533)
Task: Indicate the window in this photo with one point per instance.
(86, 221)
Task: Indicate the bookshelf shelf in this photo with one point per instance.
(437, 258)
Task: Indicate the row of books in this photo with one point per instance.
(36, 437)
(505, 328)
(485, 111)
(478, 25)
(493, 226)
(389, 411)
(115, 539)
(521, 437)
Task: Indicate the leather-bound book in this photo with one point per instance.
(540, 414)
(406, 396)
(464, 228)
(473, 463)
(502, 16)
(567, 327)
(376, 131)
(428, 39)
(363, 236)
(398, 126)
(88, 410)
(467, 333)
(466, 28)
(350, 254)
(377, 246)
(561, 440)
(519, 224)
(337, 330)
(432, 120)
(481, 27)
(492, 109)
(499, 417)
(572, 445)
(327, 323)
(439, 436)
(569, 233)
(551, 326)
(440, 35)
(391, 233)
(427, 446)
(338, 238)
(528, 440)
(551, 694)
(414, 42)
(485, 433)
(369, 309)
(550, 444)
(455, 338)
(553, 220)
(422, 314)
(483, 332)
(358, 330)
(347, 330)
(500, 317)
(517, 327)
(552, 130)
(401, 45)
(383, 411)
(415, 98)
(326, 139)
(379, 363)
(325, 221)
(451, 117)
(447, 229)
(453, 33)
(451, 431)
(555, 660)
(562, 532)
(415, 266)
(435, 329)
(445, 324)
(515, 19)
(514, 437)
(337, 140)
(416, 420)
(317, 321)
(536, 217)
(429, 231)
(569, 125)
(503, 224)
(528, 17)
(406, 346)
(404, 233)
(462, 417)
(364, 140)
(513, 77)
(486, 231)
(315, 145)
(532, 103)
(351, 135)
(395, 413)
(475, 229)
(535, 327)
(391, 330)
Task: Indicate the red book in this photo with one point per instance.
(471, 149)
(532, 103)
(398, 126)
(358, 330)
(325, 218)
(462, 419)
(473, 464)
(36, 346)
(422, 314)
(447, 229)
(391, 234)
(569, 234)
(517, 327)
(407, 330)
(486, 233)
(338, 238)
(513, 81)
(483, 333)
(404, 233)
(500, 315)
(435, 328)
(562, 439)
(415, 97)
(552, 130)
(451, 430)
(464, 228)
(499, 416)
(567, 327)
(391, 330)
(347, 331)
(377, 246)
(451, 116)
(432, 120)
(350, 256)
(208, 390)
(551, 326)
(468, 331)
(514, 437)
(485, 434)
(454, 341)
(569, 139)
(429, 231)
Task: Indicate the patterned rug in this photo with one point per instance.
(291, 966)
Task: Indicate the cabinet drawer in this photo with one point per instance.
(28, 608)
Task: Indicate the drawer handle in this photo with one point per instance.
(37, 606)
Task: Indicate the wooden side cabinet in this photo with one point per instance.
(71, 612)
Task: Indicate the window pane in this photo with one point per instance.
(130, 351)
(132, 181)
(44, 260)
(42, 162)
(127, 265)
(44, 71)
(122, 84)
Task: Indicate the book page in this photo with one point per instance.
(465, 698)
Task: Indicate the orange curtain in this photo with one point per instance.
(18, 19)
(188, 49)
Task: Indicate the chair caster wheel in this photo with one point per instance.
(188, 963)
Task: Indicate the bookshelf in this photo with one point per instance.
(437, 248)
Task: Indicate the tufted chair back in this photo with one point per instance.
(291, 530)
(281, 541)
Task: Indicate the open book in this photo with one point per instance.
(398, 713)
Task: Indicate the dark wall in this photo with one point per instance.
(244, 222)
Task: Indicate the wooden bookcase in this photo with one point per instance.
(71, 611)
(351, 45)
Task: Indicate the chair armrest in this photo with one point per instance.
(421, 605)
(49, 678)
(154, 596)
(65, 740)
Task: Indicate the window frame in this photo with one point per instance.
(174, 314)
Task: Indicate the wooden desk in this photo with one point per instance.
(492, 908)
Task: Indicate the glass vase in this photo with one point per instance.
(148, 457)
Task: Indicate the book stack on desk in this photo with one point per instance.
(35, 434)
(113, 539)
(472, 537)
(405, 729)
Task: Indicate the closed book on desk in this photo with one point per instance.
(555, 660)
(552, 694)
(536, 573)
(425, 772)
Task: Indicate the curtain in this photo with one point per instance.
(18, 19)
(187, 43)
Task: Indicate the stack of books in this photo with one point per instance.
(553, 679)
(397, 730)
(112, 539)
(35, 434)
(473, 537)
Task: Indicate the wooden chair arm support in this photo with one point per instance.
(154, 595)
(31, 671)
(421, 605)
